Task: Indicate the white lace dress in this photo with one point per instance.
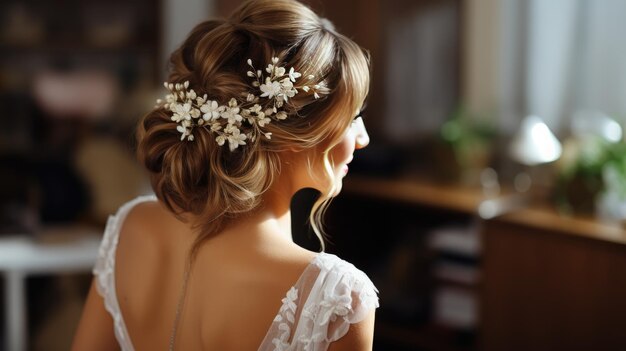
(330, 295)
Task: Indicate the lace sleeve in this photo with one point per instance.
(330, 295)
(349, 297)
(343, 295)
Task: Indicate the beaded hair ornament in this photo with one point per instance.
(238, 121)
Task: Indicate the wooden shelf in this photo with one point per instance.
(416, 191)
(547, 218)
(467, 200)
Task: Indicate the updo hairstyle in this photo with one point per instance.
(208, 181)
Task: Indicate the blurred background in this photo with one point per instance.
(488, 209)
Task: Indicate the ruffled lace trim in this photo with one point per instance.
(341, 295)
(347, 297)
(104, 269)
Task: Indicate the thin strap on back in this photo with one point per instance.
(104, 269)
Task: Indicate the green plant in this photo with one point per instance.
(590, 167)
(470, 138)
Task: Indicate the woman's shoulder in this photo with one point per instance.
(321, 270)
(141, 211)
(347, 297)
(147, 225)
(117, 223)
(147, 215)
(341, 276)
(140, 201)
(337, 286)
(146, 236)
(333, 263)
(328, 265)
(332, 295)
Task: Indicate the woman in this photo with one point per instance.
(259, 106)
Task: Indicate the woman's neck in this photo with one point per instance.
(271, 222)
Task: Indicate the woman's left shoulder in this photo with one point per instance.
(342, 280)
(346, 296)
(335, 265)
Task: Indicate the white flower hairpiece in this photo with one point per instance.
(227, 121)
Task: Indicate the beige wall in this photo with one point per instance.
(178, 20)
(480, 37)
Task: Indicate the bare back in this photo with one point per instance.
(233, 294)
(247, 290)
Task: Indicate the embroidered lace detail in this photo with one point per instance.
(335, 306)
(338, 295)
(104, 270)
(286, 318)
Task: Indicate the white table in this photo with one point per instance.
(60, 250)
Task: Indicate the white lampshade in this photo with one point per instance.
(596, 123)
(534, 143)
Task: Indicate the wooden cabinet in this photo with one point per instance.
(553, 283)
(547, 282)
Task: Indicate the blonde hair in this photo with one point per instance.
(217, 186)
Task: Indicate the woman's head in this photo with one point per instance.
(216, 184)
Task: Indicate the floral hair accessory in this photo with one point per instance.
(237, 121)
